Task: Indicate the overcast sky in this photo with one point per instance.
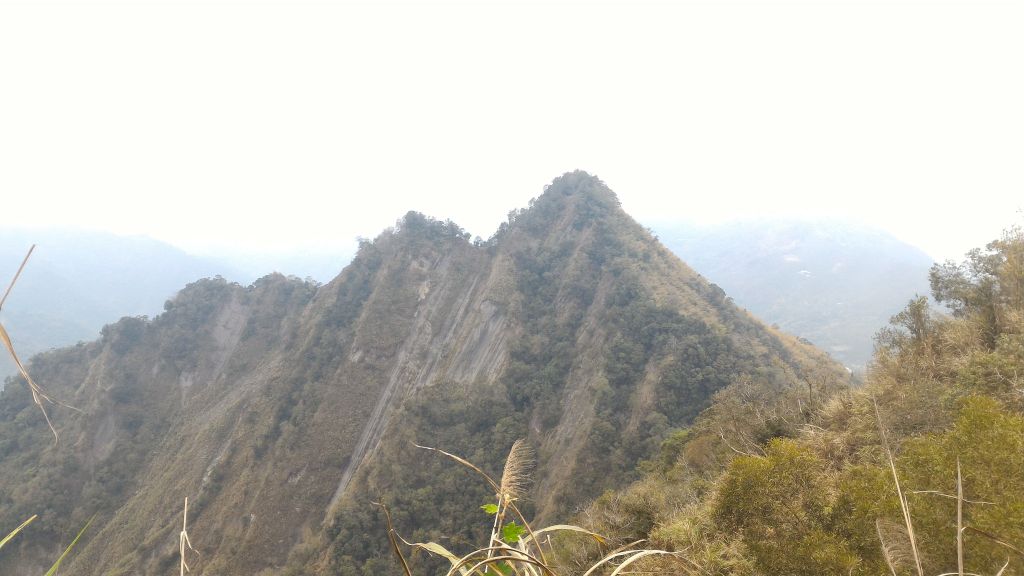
(283, 126)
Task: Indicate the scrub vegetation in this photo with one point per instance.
(918, 472)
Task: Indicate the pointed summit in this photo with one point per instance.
(577, 191)
(580, 183)
(571, 203)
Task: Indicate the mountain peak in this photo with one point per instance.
(579, 184)
(572, 201)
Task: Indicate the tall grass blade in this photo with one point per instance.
(53, 569)
(393, 538)
(996, 539)
(510, 560)
(16, 530)
(564, 528)
(959, 520)
(16, 275)
(38, 396)
(611, 556)
(184, 543)
(462, 564)
(437, 550)
(637, 556)
(494, 485)
(904, 505)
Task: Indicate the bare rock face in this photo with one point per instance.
(282, 408)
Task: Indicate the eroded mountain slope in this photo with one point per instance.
(282, 409)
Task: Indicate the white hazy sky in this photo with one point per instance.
(288, 125)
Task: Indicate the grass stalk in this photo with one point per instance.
(15, 532)
(904, 505)
(997, 539)
(183, 541)
(39, 397)
(393, 539)
(959, 520)
(523, 555)
(56, 565)
(887, 553)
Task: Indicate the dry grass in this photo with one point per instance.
(41, 399)
(904, 505)
(899, 543)
(183, 542)
(515, 478)
(896, 549)
(38, 395)
(520, 551)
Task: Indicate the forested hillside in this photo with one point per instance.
(773, 486)
(282, 409)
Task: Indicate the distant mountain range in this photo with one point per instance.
(834, 283)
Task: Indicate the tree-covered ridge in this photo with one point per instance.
(615, 345)
(284, 408)
(806, 488)
(136, 391)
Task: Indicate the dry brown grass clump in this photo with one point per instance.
(514, 546)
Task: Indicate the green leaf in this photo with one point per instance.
(491, 509)
(511, 532)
